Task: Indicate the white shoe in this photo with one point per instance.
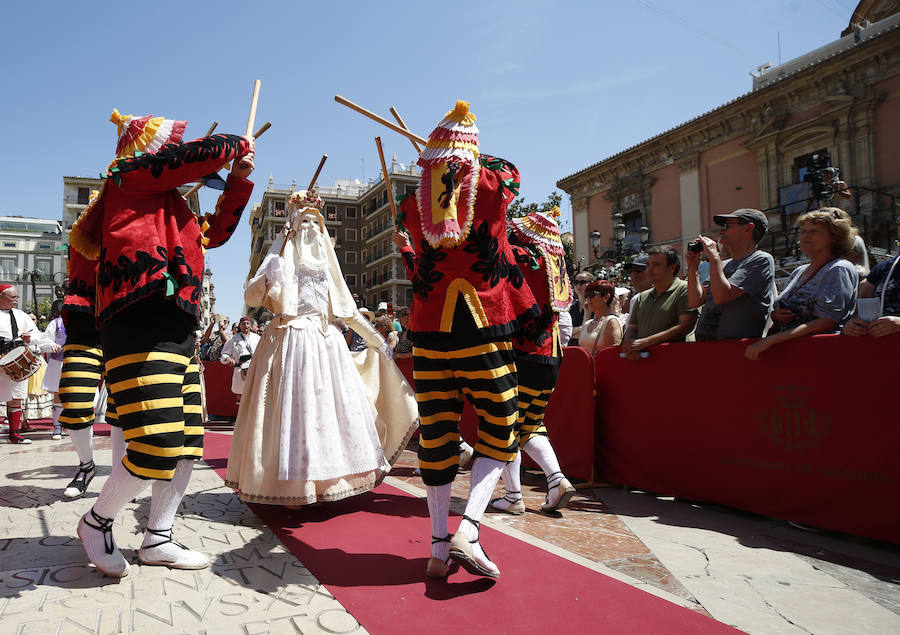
(169, 553)
(97, 537)
(83, 478)
(56, 437)
(509, 504)
(558, 495)
(466, 457)
(470, 555)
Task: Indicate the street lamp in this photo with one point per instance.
(595, 242)
(618, 232)
(644, 233)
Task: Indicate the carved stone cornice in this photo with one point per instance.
(842, 81)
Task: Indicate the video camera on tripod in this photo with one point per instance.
(823, 178)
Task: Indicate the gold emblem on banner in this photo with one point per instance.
(791, 422)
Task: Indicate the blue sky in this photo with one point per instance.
(556, 86)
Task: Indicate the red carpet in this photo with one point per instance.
(370, 552)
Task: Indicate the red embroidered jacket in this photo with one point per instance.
(481, 270)
(148, 238)
(82, 284)
(538, 339)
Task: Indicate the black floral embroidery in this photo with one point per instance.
(492, 264)
(82, 288)
(127, 270)
(172, 155)
(187, 277)
(425, 276)
(537, 329)
(527, 256)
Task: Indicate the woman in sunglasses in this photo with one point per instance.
(604, 329)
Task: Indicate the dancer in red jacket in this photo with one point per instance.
(149, 247)
(469, 297)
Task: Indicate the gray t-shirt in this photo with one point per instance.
(744, 316)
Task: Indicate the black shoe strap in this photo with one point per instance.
(103, 525)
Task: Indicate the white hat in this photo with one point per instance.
(382, 306)
(366, 312)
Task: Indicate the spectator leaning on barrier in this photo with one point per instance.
(739, 295)
(661, 313)
(604, 329)
(882, 283)
(577, 310)
(819, 297)
(637, 274)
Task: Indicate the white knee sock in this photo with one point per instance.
(485, 474)
(57, 408)
(118, 444)
(539, 449)
(119, 489)
(438, 497)
(512, 480)
(167, 497)
(83, 441)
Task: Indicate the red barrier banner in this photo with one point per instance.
(809, 433)
(569, 417)
(220, 401)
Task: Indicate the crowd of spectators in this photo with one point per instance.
(735, 297)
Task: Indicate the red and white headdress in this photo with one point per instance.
(540, 229)
(145, 134)
(449, 180)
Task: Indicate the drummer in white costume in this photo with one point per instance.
(14, 325)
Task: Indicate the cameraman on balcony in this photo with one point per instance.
(739, 295)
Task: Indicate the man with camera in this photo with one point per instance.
(739, 296)
(661, 313)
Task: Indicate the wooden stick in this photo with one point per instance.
(387, 180)
(384, 122)
(262, 129)
(405, 127)
(211, 128)
(316, 175)
(256, 135)
(253, 101)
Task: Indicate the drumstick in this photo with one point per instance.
(387, 180)
(405, 127)
(211, 128)
(384, 122)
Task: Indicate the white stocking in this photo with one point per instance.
(539, 449)
(512, 480)
(485, 475)
(83, 441)
(167, 497)
(57, 408)
(119, 489)
(118, 444)
(438, 497)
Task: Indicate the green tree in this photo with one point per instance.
(520, 208)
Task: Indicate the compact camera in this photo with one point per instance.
(695, 247)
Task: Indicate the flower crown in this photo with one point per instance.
(304, 199)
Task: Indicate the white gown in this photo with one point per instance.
(305, 431)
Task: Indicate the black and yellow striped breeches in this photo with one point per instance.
(485, 374)
(536, 384)
(156, 386)
(82, 369)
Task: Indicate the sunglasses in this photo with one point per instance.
(580, 282)
(594, 294)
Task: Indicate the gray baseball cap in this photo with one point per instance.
(760, 223)
(639, 263)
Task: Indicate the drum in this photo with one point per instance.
(20, 363)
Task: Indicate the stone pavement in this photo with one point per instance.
(755, 573)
